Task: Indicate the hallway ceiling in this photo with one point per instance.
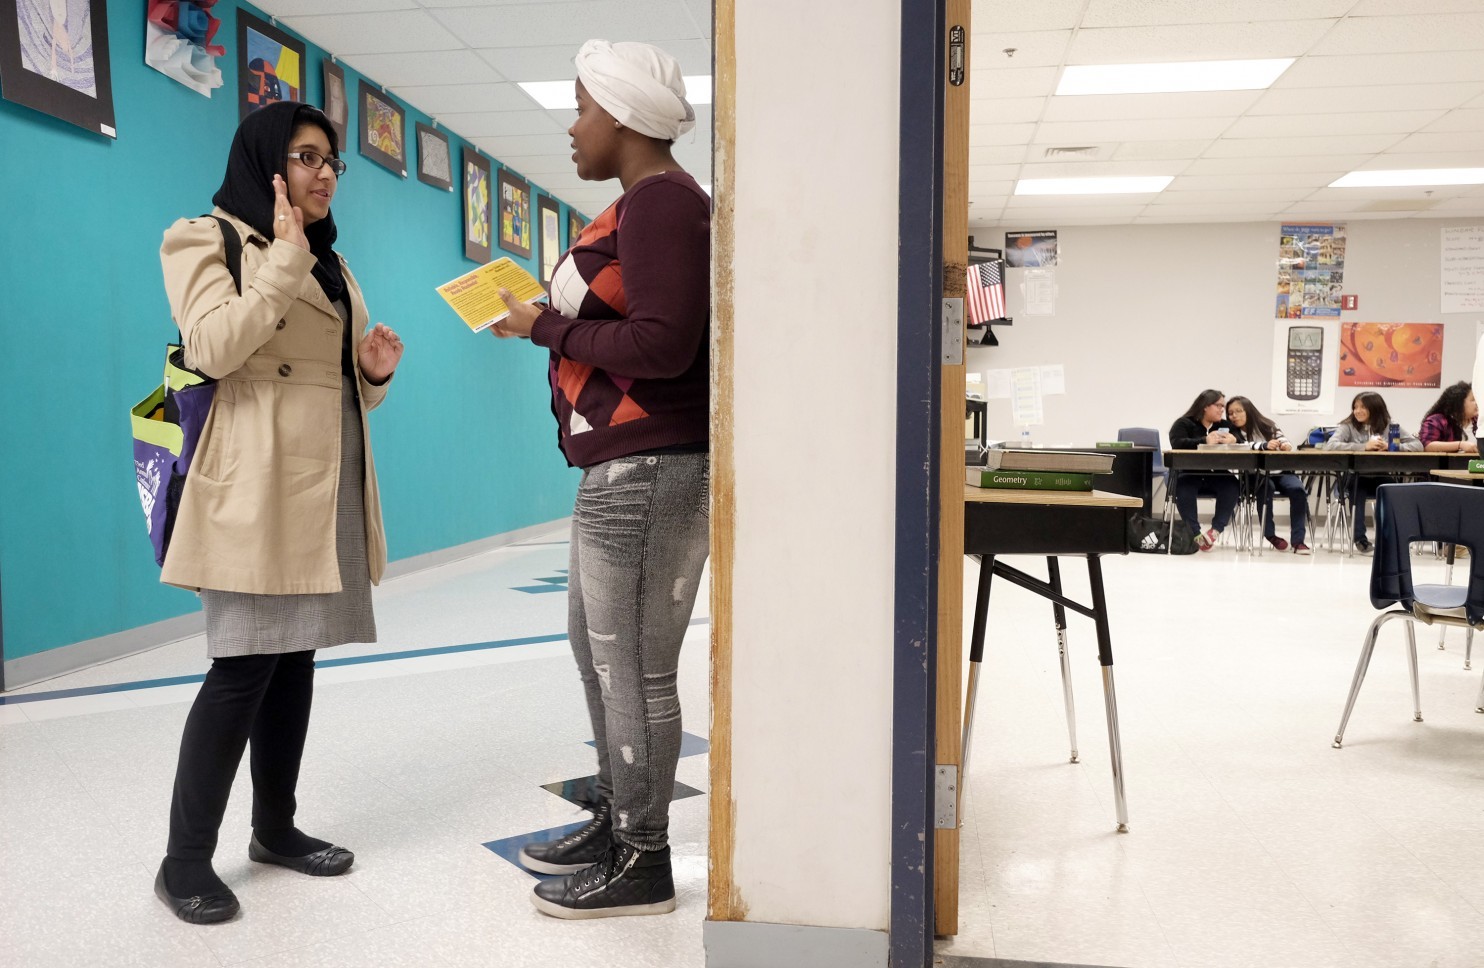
(1377, 84)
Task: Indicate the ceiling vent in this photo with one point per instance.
(1071, 153)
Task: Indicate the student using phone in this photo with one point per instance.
(1203, 424)
(1450, 426)
(1369, 428)
(1257, 431)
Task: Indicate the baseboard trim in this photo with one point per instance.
(27, 670)
(753, 944)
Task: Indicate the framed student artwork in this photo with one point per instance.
(478, 207)
(178, 42)
(550, 226)
(383, 129)
(434, 165)
(515, 214)
(270, 65)
(575, 225)
(54, 59)
(337, 102)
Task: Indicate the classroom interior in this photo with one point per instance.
(437, 752)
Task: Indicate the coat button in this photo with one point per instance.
(282, 323)
(285, 370)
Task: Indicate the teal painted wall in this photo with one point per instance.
(465, 444)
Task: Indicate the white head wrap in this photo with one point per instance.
(639, 85)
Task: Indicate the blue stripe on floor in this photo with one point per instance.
(321, 663)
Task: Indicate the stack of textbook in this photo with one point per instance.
(1040, 470)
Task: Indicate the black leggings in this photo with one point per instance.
(265, 698)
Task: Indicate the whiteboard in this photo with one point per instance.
(1463, 269)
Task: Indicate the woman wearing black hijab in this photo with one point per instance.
(279, 526)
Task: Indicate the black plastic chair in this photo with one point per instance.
(1447, 514)
(1149, 437)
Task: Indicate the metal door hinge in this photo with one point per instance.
(953, 331)
(945, 812)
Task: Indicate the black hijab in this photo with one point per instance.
(260, 150)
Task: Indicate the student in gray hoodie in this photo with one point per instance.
(1366, 429)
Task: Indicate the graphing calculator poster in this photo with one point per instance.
(1391, 354)
(1305, 359)
(1311, 271)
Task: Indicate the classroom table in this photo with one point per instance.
(1086, 524)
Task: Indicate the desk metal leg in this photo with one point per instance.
(976, 657)
(1059, 614)
(1110, 695)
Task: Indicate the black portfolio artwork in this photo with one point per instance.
(54, 59)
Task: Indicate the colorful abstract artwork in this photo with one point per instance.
(515, 214)
(54, 59)
(178, 42)
(478, 207)
(383, 129)
(270, 65)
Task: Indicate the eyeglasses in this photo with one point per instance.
(315, 160)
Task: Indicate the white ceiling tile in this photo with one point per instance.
(1026, 202)
(986, 173)
(1464, 119)
(440, 99)
(1254, 212)
(1093, 132)
(1162, 150)
(298, 8)
(1118, 107)
(1472, 205)
(422, 67)
(996, 16)
(1393, 160)
(525, 144)
(515, 24)
(997, 188)
(1248, 196)
(554, 63)
(1099, 169)
(1477, 102)
(376, 33)
(1185, 218)
(1324, 123)
(1369, 70)
(1441, 141)
(1142, 13)
(483, 124)
(700, 11)
(1399, 97)
(996, 154)
(1006, 110)
(1023, 217)
(1281, 147)
(1275, 164)
(1381, 8)
(1358, 196)
(1232, 182)
(990, 135)
(1013, 82)
(1391, 35)
(1192, 42)
(1033, 48)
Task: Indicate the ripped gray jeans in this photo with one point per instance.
(640, 537)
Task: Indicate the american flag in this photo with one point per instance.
(986, 293)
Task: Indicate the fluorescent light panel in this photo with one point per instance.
(561, 95)
(1228, 75)
(1402, 177)
(1134, 185)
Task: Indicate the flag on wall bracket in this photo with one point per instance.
(986, 292)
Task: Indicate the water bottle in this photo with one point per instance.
(1025, 437)
(1393, 437)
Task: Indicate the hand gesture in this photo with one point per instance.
(379, 353)
(1375, 443)
(1280, 444)
(1214, 437)
(288, 220)
(1469, 447)
(521, 320)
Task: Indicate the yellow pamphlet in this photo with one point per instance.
(475, 295)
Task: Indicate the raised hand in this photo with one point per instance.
(379, 353)
(288, 220)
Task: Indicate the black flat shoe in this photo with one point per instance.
(322, 863)
(211, 909)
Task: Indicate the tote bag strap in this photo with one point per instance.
(233, 244)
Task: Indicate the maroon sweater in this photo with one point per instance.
(629, 325)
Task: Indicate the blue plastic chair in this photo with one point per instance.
(1444, 513)
(1149, 437)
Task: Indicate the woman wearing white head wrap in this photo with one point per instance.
(628, 332)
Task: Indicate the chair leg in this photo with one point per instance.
(1479, 699)
(1360, 670)
(1468, 650)
(1448, 580)
(1412, 664)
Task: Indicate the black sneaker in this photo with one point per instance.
(576, 851)
(625, 882)
(1363, 545)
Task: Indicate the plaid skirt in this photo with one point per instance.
(238, 623)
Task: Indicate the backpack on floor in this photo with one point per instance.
(1153, 536)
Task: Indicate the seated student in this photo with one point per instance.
(1203, 424)
(1366, 429)
(1252, 428)
(1450, 426)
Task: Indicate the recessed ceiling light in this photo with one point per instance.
(1226, 75)
(1142, 184)
(560, 95)
(1410, 176)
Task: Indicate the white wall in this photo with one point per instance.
(815, 321)
(1150, 315)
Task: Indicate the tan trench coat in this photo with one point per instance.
(258, 511)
